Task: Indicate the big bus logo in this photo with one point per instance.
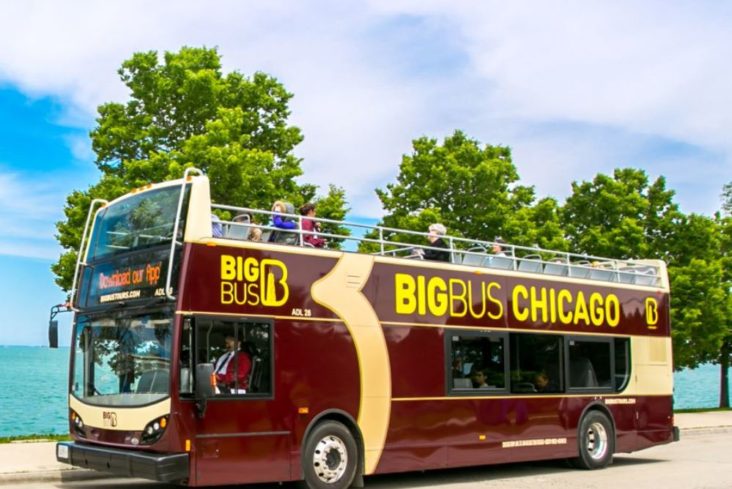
(651, 312)
(253, 282)
(109, 418)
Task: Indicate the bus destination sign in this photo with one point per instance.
(138, 276)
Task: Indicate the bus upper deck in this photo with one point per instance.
(465, 251)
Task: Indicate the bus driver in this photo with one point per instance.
(236, 359)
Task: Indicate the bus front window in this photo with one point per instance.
(139, 221)
(122, 361)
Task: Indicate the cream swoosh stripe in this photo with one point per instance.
(340, 291)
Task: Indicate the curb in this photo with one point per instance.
(57, 475)
(703, 430)
(73, 474)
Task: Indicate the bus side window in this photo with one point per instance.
(477, 361)
(240, 353)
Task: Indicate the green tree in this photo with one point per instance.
(333, 206)
(471, 188)
(623, 216)
(700, 305)
(725, 353)
(727, 199)
(181, 112)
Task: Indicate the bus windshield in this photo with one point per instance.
(139, 221)
(122, 361)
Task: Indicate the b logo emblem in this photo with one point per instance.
(651, 312)
(109, 418)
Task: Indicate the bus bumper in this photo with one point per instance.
(127, 463)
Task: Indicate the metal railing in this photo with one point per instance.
(82, 247)
(386, 241)
(174, 238)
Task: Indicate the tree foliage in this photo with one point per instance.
(470, 188)
(184, 111)
(621, 216)
(700, 311)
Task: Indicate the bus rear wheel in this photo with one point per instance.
(596, 442)
(330, 457)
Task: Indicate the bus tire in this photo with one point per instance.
(595, 442)
(330, 457)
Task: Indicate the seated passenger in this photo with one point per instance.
(544, 384)
(255, 233)
(436, 232)
(477, 377)
(280, 221)
(497, 248)
(283, 222)
(233, 367)
(217, 230)
(312, 227)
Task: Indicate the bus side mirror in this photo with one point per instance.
(204, 386)
(53, 333)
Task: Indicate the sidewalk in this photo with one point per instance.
(36, 461)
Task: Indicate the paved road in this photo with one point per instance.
(699, 461)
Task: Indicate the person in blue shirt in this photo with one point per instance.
(280, 221)
(217, 230)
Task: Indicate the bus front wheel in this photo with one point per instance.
(330, 457)
(596, 442)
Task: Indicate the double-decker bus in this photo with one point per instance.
(202, 355)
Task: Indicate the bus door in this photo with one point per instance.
(239, 436)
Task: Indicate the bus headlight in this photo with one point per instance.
(154, 430)
(77, 423)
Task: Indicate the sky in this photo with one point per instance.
(575, 88)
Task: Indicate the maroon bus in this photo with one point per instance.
(205, 353)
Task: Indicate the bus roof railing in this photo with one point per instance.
(465, 251)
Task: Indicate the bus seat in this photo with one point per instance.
(501, 262)
(530, 263)
(558, 269)
(523, 387)
(582, 373)
(647, 277)
(473, 260)
(153, 381)
(462, 384)
(237, 231)
(255, 374)
(627, 275)
(602, 274)
(579, 270)
(284, 237)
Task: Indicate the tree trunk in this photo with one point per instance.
(724, 373)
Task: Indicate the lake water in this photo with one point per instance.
(33, 392)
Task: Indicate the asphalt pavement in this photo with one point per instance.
(26, 462)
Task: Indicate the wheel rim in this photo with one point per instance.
(330, 459)
(596, 441)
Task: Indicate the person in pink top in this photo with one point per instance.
(311, 227)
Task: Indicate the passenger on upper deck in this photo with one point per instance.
(278, 220)
(255, 233)
(217, 230)
(286, 236)
(436, 232)
(497, 248)
(310, 227)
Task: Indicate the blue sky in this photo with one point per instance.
(575, 88)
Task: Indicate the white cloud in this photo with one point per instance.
(369, 77)
(28, 209)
